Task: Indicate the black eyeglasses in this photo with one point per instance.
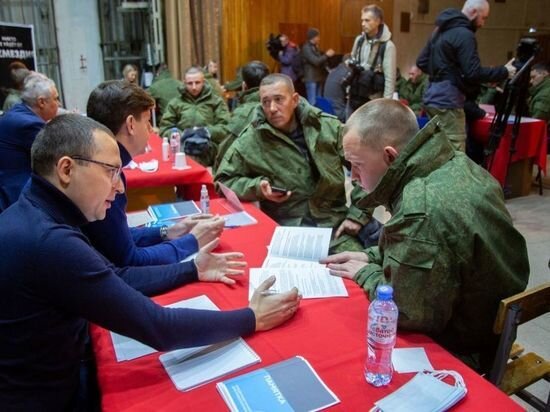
(113, 170)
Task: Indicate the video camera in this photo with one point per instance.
(274, 45)
(528, 48)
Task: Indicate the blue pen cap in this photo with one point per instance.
(384, 292)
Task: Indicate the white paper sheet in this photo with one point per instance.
(406, 360)
(305, 243)
(311, 282)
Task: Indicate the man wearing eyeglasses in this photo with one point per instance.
(53, 281)
(18, 129)
(126, 110)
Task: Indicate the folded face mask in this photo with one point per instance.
(150, 166)
(424, 393)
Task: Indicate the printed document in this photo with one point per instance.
(303, 243)
(312, 282)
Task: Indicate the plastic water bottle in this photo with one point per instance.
(381, 335)
(174, 144)
(165, 150)
(205, 200)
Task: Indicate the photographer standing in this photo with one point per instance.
(451, 59)
(372, 51)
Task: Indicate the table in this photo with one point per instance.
(531, 146)
(329, 333)
(144, 189)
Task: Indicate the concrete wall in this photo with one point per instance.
(507, 22)
(78, 37)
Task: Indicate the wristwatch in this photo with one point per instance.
(164, 232)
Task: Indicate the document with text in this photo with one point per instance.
(303, 243)
(312, 282)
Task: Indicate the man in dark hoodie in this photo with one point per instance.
(451, 59)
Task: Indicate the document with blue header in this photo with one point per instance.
(290, 385)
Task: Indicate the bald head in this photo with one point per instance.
(383, 122)
(477, 11)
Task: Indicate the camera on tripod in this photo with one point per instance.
(528, 47)
(355, 69)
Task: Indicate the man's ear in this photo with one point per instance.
(130, 124)
(390, 154)
(63, 170)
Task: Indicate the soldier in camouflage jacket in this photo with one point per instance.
(450, 249)
(198, 106)
(312, 171)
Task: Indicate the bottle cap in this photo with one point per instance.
(384, 292)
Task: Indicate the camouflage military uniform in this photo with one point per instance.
(164, 89)
(414, 93)
(264, 153)
(240, 118)
(206, 110)
(450, 249)
(539, 100)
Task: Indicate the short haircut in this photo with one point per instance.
(36, 85)
(254, 72)
(193, 70)
(278, 78)
(376, 10)
(541, 67)
(471, 5)
(65, 135)
(113, 101)
(383, 122)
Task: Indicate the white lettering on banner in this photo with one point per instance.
(16, 54)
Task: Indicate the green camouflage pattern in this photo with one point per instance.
(450, 250)
(240, 118)
(163, 89)
(264, 153)
(414, 93)
(453, 121)
(207, 110)
(539, 100)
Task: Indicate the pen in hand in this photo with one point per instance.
(269, 292)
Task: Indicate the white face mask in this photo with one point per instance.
(425, 392)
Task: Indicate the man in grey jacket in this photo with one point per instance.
(314, 65)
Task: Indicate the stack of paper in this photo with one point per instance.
(196, 366)
(293, 257)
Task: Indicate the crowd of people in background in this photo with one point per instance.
(289, 152)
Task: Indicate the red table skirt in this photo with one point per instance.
(188, 181)
(531, 143)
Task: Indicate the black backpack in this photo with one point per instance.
(196, 141)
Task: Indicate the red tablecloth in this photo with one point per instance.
(188, 181)
(530, 143)
(329, 333)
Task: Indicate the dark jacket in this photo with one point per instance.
(47, 300)
(314, 63)
(18, 129)
(451, 55)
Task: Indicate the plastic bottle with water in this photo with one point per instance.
(381, 335)
(205, 200)
(174, 144)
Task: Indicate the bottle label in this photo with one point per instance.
(382, 329)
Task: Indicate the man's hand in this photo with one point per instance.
(267, 193)
(185, 225)
(346, 270)
(345, 257)
(215, 267)
(272, 310)
(330, 52)
(511, 69)
(348, 226)
(207, 230)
